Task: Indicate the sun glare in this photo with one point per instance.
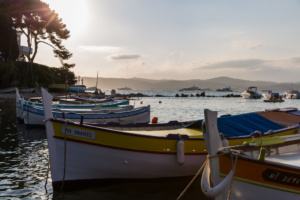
(73, 13)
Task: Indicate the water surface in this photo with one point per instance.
(24, 152)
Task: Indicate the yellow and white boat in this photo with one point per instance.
(89, 152)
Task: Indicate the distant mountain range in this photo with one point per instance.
(213, 84)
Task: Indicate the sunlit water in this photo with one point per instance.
(24, 153)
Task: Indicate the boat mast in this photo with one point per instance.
(96, 91)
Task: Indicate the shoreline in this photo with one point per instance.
(4, 97)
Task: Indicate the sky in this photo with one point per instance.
(181, 39)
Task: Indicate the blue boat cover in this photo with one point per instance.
(296, 112)
(245, 124)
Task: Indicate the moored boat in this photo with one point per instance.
(34, 115)
(77, 88)
(20, 102)
(124, 88)
(274, 100)
(293, 94)
(131, 154)
(251, 93)
(261, 169)
(225, 89)
(193, 88)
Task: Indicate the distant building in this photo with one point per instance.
(23, 50)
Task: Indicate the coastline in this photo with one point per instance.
(5, 97)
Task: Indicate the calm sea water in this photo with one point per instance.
(24, 153)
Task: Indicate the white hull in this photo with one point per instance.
(96, 162)
(32, 118)
(247, 95)
(292, 96)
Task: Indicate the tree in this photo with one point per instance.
(40, 24)
(9, 49)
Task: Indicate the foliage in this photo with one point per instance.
(9, 49)
(24, 74)
(40, 24)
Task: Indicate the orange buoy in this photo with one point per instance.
(154, 120)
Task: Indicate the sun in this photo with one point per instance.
(73, 13)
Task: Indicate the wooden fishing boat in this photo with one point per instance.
(20, 101)
(266, 168)
(97, 153)
(34, 115)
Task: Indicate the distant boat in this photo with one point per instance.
(225, 89)
(272, 97)
(274, 100)
(190, 88)
(124, 88)
(251, 93)
(293, 94)
(77, 88)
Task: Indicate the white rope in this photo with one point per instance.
(233, 168)
(194, 178)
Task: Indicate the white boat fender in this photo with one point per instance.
(218, 189)
(180, 152)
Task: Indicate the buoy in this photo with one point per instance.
(180, 152)
(154, 120)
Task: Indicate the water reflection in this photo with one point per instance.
(24, 165)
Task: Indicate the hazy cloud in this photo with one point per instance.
(104, 49)
(245, 45)
(250, 63)
(124, 56)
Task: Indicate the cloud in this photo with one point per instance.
(237, 45)
(124, 56)
(236, 64)
(103, 49)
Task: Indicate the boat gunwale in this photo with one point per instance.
(126, 113)
(172, 136)
(266, 162)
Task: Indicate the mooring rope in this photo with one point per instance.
(194, 178)
(233, 168)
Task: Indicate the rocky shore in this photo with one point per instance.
(56, 96)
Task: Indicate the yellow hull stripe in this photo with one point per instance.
(133, 141)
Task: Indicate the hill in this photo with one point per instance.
(165, 84)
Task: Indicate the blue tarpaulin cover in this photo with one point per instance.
(245, 124)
